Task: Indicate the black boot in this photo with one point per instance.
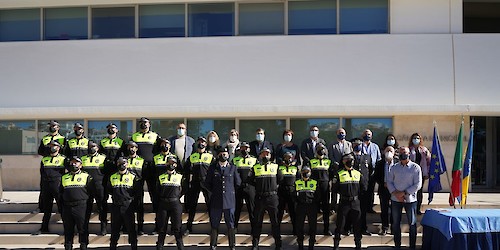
(140, 229)
(336, 244)
(311, 244)
(68, 246)
(103, 228)
(113, 246)
(278, 244)
(255, 244)
(214, 234)
(180, 243)
(232, 239)
(301, 244)
(83, 246)
(161, 241)
(133, 246)
(358, 244)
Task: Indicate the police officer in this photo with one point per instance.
(76, 186)
(51, 168)
(349, 182)
(135, 165)
(265, 176)
(93, 164)
(321, 171)
(286, 190)
(122, 187)
(362, 163)
(112, 147)
(307, 205)
(195, 172)
(77, 146)
(160, 159)
(244, 163)
(147, 141)
(169, 186)
(222, 181)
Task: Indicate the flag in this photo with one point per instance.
(437, 167)
(467, 167)
(457, 169)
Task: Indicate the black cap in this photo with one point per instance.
(202, 138)
(289, 154)
(78, 125)
(347, 157)
(244, 144)
(111, 125)
(132, 143)
(53, 123)
(172, 158)
(222, 150)
(144, 119)
(121, 160)
(75, 158)
(320, 146)
(55, 143)
(92, 144)
(356, 141)
(164, 140)
(305, 168)
(265, 150)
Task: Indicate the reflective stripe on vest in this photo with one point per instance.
(82, 143)
(147, 138)
(322, 164)
(53, 162)
(115, 143)
(203, 158)
(292, 170)
(306, 186)
(170, 180)
(242, 162)
(74, 181)
(345, 177)
(93, 162)
(136, 162)
(117, 180)
(48, 138)
(269, 170)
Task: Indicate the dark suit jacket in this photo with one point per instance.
(306, 149)
(188, 148)
(363, 165)
(335, 154)
(222, 185)
(255, 149)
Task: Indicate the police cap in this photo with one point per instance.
(111, 125)
(92, 144)
(201, 138)
(121, 160)
(75, 158)
(244, 144)
(289, 154)
(347, 157)
(320, 147)
(172, 158)
(164, 140)
(54, 143)
(144, 119)
(132, 144)
(265, 150)
(357, 141)
(222, 150)
(53, 123)
(305, 169)
(78, 125)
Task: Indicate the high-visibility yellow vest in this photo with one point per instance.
(201, 158)
(306, 186)
(292, 170)
(170, 179)
(114, 143)
(161, 159)
(71, 181)
(48, 138)
(82, 143)
(242, 162)
(345, 177)
(145, 138)
(53, 162)
(322, 164)
(136, 163)
(117, 180)
(93, 162)
(269, 170)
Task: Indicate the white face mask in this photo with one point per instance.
(314, 133)
(416, 142)
(259, 137)
(287, 138)
(181, 132)
(212, 139)
(391, 142)
(389, 155)
(233, 138)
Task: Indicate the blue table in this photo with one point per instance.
(455, 229)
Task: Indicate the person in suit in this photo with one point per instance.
(222, 181)
(362, 163)
(336, 150)
(182, 144)
(382, 169)
(260, 143)
(308, 146)
(372, 149)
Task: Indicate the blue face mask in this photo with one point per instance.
(367, 137)
(341, 136)
(404, 156)
(357, 148)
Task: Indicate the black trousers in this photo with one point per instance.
(75, 216)
(324, 197)
(169, 210)
(287, 199)
(345, 210)
(364, 199)
(193, 195)
(371, 192)
(420, 196)
(270, 204)
(246, 193)
(385, 199)
(123, 215)
(149, 173)
(49, 193)
(311, 211)
(138, 204)
(101, 201)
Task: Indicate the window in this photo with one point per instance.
(380, 127)
(19, 137)
(327, 128)
(201, 127)
(66, 129)
(261, 19)
(274, 130)
(481, 17)
(65, 23)
(312, 17)
(20, 25)
(214, 19)
(161, 21)
(166, 128)
(97, 129)
(117, 22)
(364, 16)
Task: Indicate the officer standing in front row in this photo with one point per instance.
(76, 187)
(349, 183)
(169, 187)
(307, 205)
(122, 186)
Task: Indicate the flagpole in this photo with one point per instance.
(440, 160)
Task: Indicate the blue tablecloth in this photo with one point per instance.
(461, 229)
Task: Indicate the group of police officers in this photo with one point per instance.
(76, 171)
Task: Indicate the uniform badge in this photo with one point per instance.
(125, 180)
(311, 185)
(57, 161)
(82, 143)
(205, 158)
(78, 179)
(137, 163)
(97, 161)
(149, 137)
(174, 179)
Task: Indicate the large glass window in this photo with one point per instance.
(364, 16)
(312, 17)
(66, 23)
(201, 127)
(166, 128)
(327, 128)
(66, 129)
(20, 25)
(116, 22)
(161, 20)
(18, 137)
(213, 19)
(261, 19)
(97, 129)
(380, 127)
(274, 130)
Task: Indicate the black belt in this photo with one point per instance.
(268, 193)
(75, 203)
(353, 198)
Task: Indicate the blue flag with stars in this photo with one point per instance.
(437, 167)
